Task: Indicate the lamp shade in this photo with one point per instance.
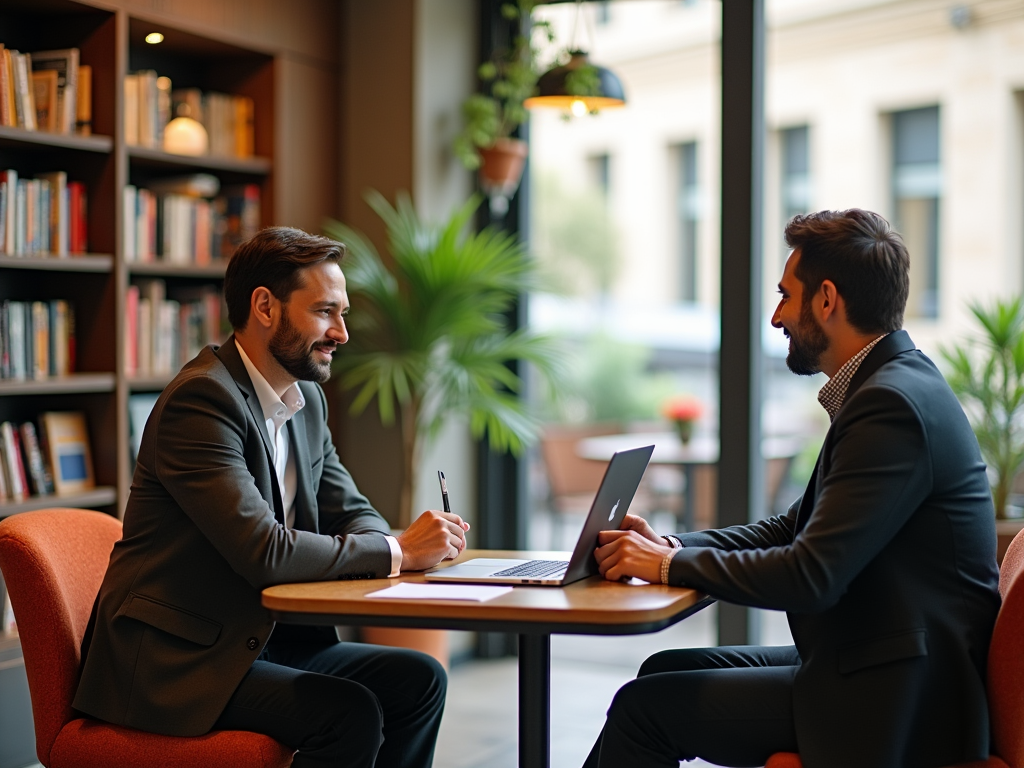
(553, 88)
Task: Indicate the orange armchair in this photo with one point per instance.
(53, 561)
(1005, 673)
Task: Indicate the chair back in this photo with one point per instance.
(569, 473)
(53, 561)
(1006, 660)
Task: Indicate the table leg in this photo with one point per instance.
(534, 701)
(689, 498)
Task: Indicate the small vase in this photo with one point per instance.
(684, 428)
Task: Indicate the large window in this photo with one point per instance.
(917, 187)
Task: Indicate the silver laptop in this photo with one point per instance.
(620, 482)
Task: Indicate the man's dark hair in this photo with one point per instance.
(273, 259)
(863, 256)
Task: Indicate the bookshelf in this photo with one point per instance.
(110, 39)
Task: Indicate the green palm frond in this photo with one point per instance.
(987, 375)
(429, 323)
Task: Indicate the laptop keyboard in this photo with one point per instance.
(535, 568)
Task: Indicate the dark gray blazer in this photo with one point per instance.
(886, 567)
(178, 620)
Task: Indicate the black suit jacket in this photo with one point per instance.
(178, 620)
(886, 568)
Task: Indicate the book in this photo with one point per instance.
(60, 337)
(6, 117)
(40, 340)
(83, 106)
(44, 93)
(131, 110)
(147, 108)
(13, 469)
(67, 439)
(129, 201)
(78, 218)
(131, 330)
(38, 471)
(16, 327)
(65, 63)
(58, 224)
(8, 64)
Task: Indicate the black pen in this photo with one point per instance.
(444, 491)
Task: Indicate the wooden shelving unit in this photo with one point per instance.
(110, 40)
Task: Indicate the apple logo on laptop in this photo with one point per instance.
(615, 506)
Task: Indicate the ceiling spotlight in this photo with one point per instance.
(154, 37)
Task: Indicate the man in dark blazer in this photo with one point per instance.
(885, 566)
(238, 487)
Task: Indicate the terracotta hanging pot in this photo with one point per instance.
(502, 167)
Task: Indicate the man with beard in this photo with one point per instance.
(238, 487)
(885, 566)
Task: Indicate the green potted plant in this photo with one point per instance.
(491, 116)
(987, 376)
(429, 335)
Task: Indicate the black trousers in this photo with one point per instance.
(341, 704)
(731, 706)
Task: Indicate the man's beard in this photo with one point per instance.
(806, 344)
(295, 357)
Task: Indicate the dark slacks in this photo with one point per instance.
(731, 706)
(342, 704)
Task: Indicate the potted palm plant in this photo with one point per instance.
(987, 376)
(429, 332)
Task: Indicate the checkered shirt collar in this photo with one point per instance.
(833, 394)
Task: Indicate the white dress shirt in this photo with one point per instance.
(278, 411)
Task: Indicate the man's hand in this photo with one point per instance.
(638, 524)
(628, 553)
(433, 536)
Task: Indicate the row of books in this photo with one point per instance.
(37, 339)
(54, 459)
(163, 334)
(150, 103)
(45, 91)
(45, 215)
(186, 229)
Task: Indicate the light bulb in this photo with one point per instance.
(578, 108)
(154, 37)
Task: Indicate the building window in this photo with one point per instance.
(795, 194)
(602, 12)
(599, 167)
(917, 185)
(688, 211)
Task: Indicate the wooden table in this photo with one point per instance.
(593, 606)
(669, 450)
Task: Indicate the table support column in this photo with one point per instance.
(534, 701)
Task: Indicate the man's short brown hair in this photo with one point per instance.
(863, 256)
(274, 259)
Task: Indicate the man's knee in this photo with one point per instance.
(421, 675)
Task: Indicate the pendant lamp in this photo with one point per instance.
(578, 87)
(553, 88)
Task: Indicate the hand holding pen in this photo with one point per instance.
(433, 536)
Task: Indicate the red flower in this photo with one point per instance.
(682, 408)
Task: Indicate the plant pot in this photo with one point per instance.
(502, 167)
(685, 430)
(433, 642)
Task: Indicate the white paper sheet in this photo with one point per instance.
(414, 591)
